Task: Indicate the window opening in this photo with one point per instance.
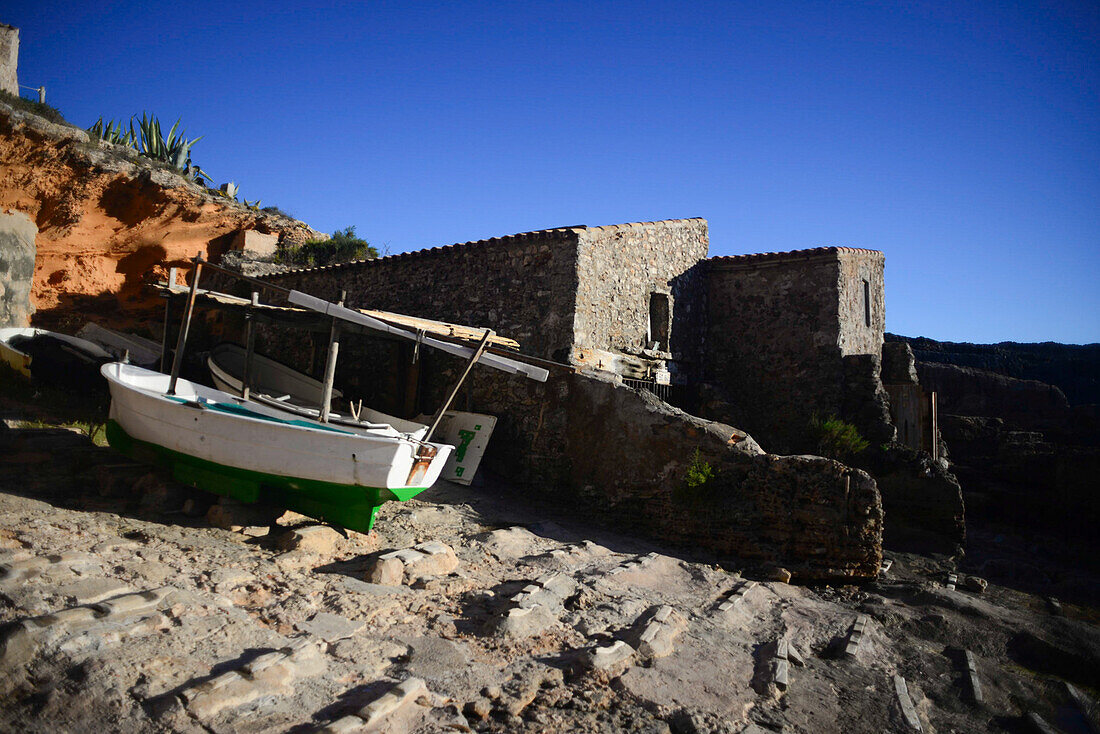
(866, 303)
(657, 336)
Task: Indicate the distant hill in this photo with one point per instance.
(1074, 368)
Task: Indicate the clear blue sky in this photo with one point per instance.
(961, 138)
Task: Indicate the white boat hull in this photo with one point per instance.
(212, 431)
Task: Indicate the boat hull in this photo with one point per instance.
(256, 455)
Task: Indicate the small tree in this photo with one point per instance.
(835, 438)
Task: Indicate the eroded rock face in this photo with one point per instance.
(109, 221)
(17, 233)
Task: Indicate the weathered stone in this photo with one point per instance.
(776, 573)
(9, 66)
(404, 693)
(608, 656)
(525, 621)
(312, 539)
(975, 584)
(908, 711)
(437, 559)
(331, 627)
(17, 253)
(899, 366)
(387, 571)
(90, 590)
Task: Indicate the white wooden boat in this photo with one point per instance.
(138, 350)
(281, 386)
(49, 356)
(278, 385)
(257, 453)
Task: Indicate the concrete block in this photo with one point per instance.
(17, 256)
(972, 673)
(1039, 725)
(908, 711)
(855, 636)
(398, 696)
(255, 242)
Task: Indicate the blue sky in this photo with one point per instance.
(962, 139)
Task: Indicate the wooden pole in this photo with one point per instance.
(330, 363)
(458, 385)
(167, 321)
(250, 345)
(177, 361)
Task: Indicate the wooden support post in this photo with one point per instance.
(330, 364)
(250, 346)
(458, 385)
(177, 361)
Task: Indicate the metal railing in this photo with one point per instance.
(661, 391)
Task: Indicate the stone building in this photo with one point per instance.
(737, 341)
(762, 342)
(9, 59)
(782, 328)
(628, 298)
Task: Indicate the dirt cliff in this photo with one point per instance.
(110, 221)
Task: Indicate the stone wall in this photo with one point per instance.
(621, 456)
(778, 328)
(862, 301)
(772, 343)
(17, 252)
(523, 286)
(9, 59)
(620, 268)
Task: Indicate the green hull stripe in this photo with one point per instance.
(348, 505)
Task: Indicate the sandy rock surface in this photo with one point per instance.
(493, 615)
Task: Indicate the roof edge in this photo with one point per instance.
(557, 233)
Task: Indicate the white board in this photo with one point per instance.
(469, 433)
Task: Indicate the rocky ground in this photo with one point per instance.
(127, 608)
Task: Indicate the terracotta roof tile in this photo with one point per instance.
(792, 254)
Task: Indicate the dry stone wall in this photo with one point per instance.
(622, 456)
(779, 326)
(772, 343)
(619, 268)
(522, 286)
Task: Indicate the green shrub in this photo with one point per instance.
(278, 212)
(835, 438)
(693, 490)
(699, 472)
(343, 247)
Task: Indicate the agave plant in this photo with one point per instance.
(173, 149)
(112, 133)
